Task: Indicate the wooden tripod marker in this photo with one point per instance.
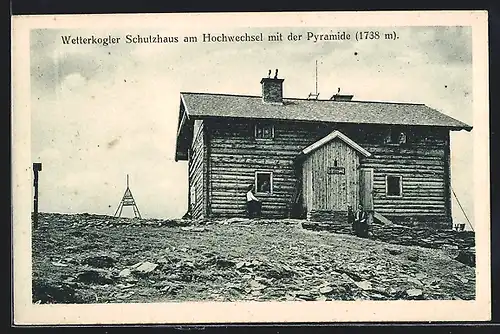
(127, 200)
(37, 167)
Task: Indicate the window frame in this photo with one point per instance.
(390, 132)
(264, 125)
(400, 177)
(271, 183)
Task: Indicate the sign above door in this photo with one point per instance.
(336, 170)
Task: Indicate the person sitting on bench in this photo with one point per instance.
(254, 205)
(361, 223)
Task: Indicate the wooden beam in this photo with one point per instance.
(330, 137)
(381, 218)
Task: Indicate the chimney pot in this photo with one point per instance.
(272, 89)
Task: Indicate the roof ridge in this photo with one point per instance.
(306, 99)
(220, 94)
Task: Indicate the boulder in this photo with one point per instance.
(145, 267)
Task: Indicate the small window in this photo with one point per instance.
(264, 182)
(396, 136)
(394, 186)
(264, 131)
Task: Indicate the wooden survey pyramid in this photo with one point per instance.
(127, 200)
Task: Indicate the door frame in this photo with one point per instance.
(361, 187)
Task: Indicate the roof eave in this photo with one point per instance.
(184, 117)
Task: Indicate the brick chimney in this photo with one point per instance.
(272, 89)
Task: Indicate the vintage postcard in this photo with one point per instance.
(251, 168)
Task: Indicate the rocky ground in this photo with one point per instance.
(98, 259)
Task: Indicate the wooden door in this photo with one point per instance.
(333, 170)
(366, 188)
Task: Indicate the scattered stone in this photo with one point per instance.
(132, 267)
(235, 220)
(412, 257)
(59, 264)
(420, 276)
(255, 263)
(394, 251)
(415, 281)
(127, 295)
(414, 293)
(326, 290)
(145, 267)
(365, 285)
(450, 250)
(234, 286)
(305, 295)
(166, 288)
(240, 265)
(254, 285)
(346, 277)
(125, 272)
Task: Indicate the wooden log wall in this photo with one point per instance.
(423, 164)
(235, 155)
(197, 172)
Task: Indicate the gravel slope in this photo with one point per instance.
(97, 259)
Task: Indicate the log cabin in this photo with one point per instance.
(315, 159)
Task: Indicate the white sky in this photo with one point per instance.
(99, 112)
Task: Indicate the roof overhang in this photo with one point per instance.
(184, 132)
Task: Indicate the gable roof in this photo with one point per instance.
(201, 105)
(335, 134)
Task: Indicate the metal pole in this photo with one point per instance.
(316, 78)
(35, 201)
(463, 211)
(37, 166)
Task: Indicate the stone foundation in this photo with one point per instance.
(332, 217)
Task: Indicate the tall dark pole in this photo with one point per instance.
(37, 166)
